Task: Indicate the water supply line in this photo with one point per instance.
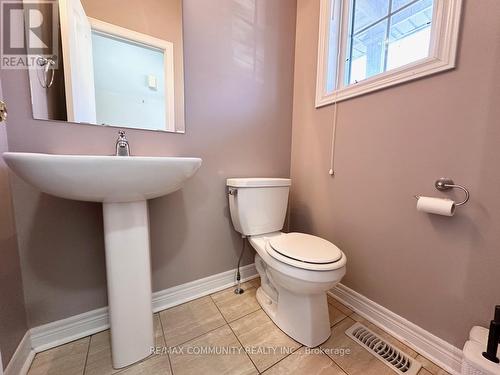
(239, 289)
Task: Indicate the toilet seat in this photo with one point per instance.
(304, 251)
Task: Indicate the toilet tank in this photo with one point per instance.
(258, 205)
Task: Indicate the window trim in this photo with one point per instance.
(442, 55)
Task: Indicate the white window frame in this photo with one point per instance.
(442, 51)
(168, 60)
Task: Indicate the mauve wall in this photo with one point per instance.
(440, 273)
(238, 90)
(12, 311)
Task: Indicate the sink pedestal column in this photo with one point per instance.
(128, 266)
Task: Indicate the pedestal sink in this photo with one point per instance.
(122, 184)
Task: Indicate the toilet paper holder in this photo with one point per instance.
(444, 184)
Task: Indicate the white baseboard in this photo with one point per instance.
(63, 331)
(20, 362)
(176, 295)
(70, 329)
(430, 346)
(73, 328)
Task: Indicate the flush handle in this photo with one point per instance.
(3, 111)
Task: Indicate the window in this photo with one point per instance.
(367, 45)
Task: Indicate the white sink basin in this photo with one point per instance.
(123, 184)
(103, 178)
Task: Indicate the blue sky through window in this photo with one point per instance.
(386, 34)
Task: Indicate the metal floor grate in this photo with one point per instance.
(392, 357)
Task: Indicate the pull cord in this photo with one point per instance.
(331, 172)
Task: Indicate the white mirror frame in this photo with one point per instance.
(442, 54)
(168, 59)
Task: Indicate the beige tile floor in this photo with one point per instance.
(226, 323)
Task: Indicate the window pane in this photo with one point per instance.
(410, 34)
(333, 50)
(368, 53)
(396, 4)
(415, 16)
(366, 12)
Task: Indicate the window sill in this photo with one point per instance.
(381, 81)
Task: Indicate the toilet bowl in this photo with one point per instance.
(296, 269)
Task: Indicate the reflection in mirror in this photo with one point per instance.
(119, 64)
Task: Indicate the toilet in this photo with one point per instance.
(296, 269)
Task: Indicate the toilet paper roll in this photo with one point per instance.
(437, 206)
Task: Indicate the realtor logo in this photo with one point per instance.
(29, 31)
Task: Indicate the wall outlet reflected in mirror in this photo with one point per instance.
(152, 82)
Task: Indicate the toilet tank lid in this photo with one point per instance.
(258, 182)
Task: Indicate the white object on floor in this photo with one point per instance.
(296, 269)
(437, 206)
(473, 362)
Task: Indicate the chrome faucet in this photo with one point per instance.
(122, 146)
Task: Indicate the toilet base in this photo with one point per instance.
(302, 317)
(295, 298)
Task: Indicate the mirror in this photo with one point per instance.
(119, 63)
